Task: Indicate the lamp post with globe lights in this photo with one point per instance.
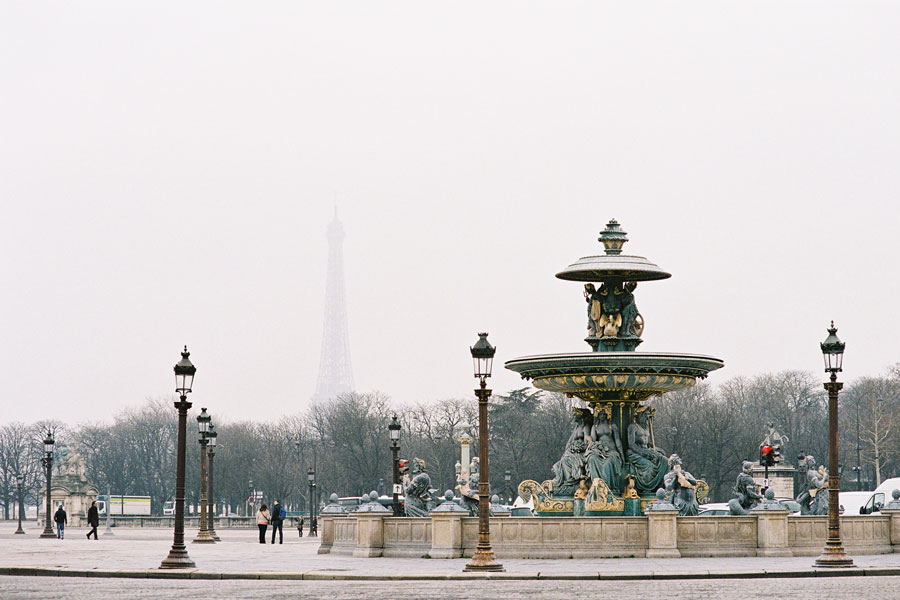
(212, 436)
(47, 461)
(203, 421)
(20, 483)
(184, 379)
(394, 429)
(483, 359)
(833, 554)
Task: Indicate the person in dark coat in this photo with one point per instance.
(277, 522)
(300, 526)
(93, 519)
(61, 520)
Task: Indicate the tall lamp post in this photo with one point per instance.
(298, 444)
(47, 461)
(212, 436)
(394, 429)
(833, 554)
(858, 467)
(251, 498)
(311, 476)
(184, 378)
(483, 359)
(20, 483)
(203, 421)
(507, 476)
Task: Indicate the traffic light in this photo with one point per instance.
(767, 456)
(776, 455)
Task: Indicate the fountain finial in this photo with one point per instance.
(613, 238)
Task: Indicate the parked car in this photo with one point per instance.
(713, 509)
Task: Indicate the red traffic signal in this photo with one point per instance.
(766, 456)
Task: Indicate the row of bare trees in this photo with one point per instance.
(345, 440)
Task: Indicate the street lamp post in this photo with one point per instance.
(47, 461)
(394, 429)
(507, 476)
(108, 509)
(311, 476)
(483, 359)
(184, 378)
(298, 444)
(858, 467)
(251, 498)
(20, 483)
(833, 554)
(212, 436)
(203, 421)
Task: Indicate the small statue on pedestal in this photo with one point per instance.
(746, 492)
(682, 488)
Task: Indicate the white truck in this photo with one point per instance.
(120, 505)
(867, 503)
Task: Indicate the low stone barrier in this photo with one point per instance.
(449, 535)
(169, 521)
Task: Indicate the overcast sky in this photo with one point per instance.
(168, 171)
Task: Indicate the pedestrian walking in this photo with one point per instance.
(61, 520)
(262, 521)
(314, 526)
(300, 526)
(93, 520)
(278, 515)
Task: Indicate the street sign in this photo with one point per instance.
(251, 500)
(398, 489)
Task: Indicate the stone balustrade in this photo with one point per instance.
(659, 535)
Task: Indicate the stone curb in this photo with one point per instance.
(340, 576)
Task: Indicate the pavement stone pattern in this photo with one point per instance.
(277, 570)
(80, 588)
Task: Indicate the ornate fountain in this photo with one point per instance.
(610, 465)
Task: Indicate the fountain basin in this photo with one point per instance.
(606, 376)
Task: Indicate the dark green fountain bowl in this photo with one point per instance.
(605, 376)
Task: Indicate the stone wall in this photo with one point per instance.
(561, 537)
(407, 536)
(863, 534)
(717, 536)
(663, 535)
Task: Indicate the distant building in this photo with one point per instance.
(335, 369)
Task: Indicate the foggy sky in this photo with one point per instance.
(168, 170)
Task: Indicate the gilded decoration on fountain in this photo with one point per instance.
(610, 463)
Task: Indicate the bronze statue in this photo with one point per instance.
(468, 490)
(746, 492)
(569, 470)
(580, 495)
(605, 457)
(813, 499)
(611, 310)
(418, 491)
(646, 462)
(681, 486)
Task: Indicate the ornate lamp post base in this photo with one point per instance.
(483, 561)
(834, 557)
(177, 559)
(47, 533)
(203, 537)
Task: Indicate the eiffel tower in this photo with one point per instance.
(335, 370)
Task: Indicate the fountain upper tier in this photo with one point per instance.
(613, 265)
(613, 371)
(605, 376)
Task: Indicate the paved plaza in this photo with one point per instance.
(295, 570)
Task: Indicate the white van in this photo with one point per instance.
(867, 503)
